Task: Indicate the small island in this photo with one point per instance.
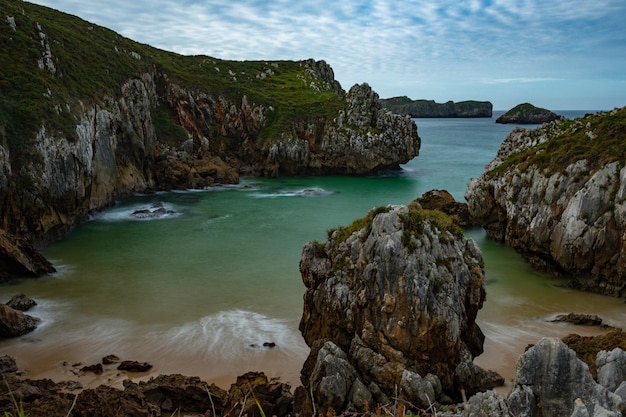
(429, 109)
(526, 113)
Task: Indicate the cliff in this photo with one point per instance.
(87, 116)
(428, 108)
(527, 114)
(390, 309)
(557, 194)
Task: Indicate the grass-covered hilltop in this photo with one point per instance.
(87, 116)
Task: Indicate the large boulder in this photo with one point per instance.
(557, 194)
(550, 380)
(397, 293)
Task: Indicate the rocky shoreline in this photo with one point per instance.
(580, 389)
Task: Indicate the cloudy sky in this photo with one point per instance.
(562, 55)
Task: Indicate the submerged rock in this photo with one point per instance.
(391, 301)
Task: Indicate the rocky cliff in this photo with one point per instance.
(558, 195)
(390, 310)
(429, 109)
(87, 116)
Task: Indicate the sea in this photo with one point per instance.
(212, 287)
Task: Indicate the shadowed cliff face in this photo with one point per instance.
(557, 195)
(88, 117)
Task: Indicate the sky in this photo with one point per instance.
(560, 55)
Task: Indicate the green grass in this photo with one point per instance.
(568, 143)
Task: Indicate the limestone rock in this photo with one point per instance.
(364, 138)
(397, 292)
(15, 323)
(550, 379)
(486, 404)
(527, 114)
(611, 368)
(562, 208)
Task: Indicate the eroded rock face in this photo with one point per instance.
(564, 211)
(364, 138)
(395, 297)
(549, 381)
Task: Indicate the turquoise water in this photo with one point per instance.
(200, 290)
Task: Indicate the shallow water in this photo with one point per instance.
(200, 290)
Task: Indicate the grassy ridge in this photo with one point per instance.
(598, 138)
(91, 62)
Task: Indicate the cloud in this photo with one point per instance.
(519, 80)
(393, 44)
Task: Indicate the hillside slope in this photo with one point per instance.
(87, 116)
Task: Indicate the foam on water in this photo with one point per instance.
(141, 212)
(304, 192)
(234, 334)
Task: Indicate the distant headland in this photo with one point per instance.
(430, 109)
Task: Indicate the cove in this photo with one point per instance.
(200, 290)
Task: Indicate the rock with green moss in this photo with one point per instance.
(557, 194)
(527, 114)
(431, 109)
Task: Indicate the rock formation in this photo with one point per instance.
(550, 381)
(430, 109)
(557, 195)
(527, 114)
(131, 118)
(390, 304)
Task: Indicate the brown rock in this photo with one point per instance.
(253, 392)
(579, 319)
(134, 366)
(182, 393)
(96, 369)
(21, 302)
(110, 359)
(7, 364)
(587, 347)
(15, 323)
(442, 200)
(19, 256)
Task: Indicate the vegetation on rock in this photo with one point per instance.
(526, 113)
(429, 108)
